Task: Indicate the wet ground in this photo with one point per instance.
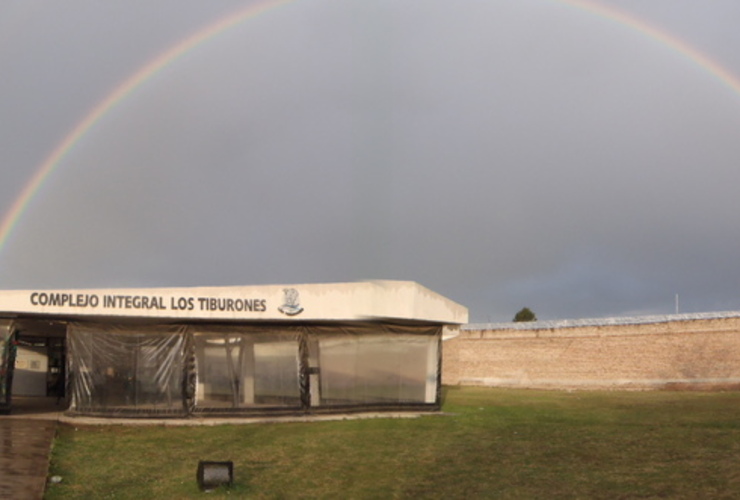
(26, 437)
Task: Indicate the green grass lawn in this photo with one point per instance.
(489, 443)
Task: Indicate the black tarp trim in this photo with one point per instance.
(8, 350)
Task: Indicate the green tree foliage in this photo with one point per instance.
(525, 314)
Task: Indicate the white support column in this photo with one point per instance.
(430, 395)
(248, 373)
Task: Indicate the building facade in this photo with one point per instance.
(227, 350)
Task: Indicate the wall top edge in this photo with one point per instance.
(590, 322)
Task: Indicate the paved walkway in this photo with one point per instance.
(25, 443)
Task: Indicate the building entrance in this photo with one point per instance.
(40, 359)
(39, 366)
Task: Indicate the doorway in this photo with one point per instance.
(39, 371)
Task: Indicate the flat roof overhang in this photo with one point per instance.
(388, 301)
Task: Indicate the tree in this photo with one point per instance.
(525, 314)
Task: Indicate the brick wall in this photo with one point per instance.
(702, 353)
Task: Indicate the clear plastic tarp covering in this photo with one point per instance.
(358, 366)
(246, 368)
(126, 370)
(7, 358)
(209, 369)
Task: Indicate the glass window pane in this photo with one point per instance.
(381, 368)
(116, 369)
(246, 370)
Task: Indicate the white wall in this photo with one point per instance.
(31, 365)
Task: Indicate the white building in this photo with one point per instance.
(227, 350)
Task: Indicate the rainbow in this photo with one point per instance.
(121, 92)
(174, 53)
(695, 56)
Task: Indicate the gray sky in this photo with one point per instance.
(504, 153)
